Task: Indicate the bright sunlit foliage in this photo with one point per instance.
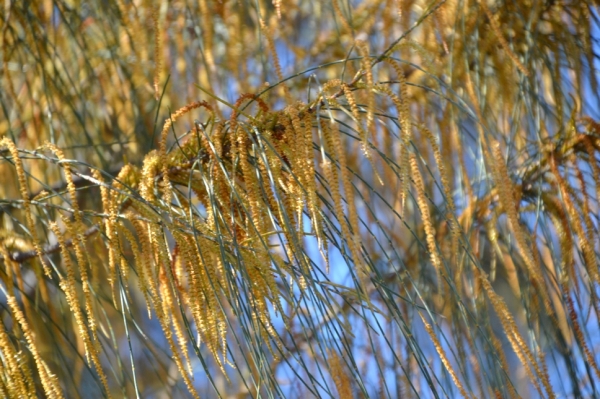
(256, 198)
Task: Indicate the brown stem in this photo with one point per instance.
(23, 256)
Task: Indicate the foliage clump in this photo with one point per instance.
(409, 209)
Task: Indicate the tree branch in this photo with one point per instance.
(23, 256)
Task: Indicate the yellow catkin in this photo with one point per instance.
(311, 187)
(68, 285)
(208, 33)
(295, 185)
(201, 291)
(277, 5)
(71, 189)
(366, 66)
(516, 340)
(444, 358)
(208, 275)
(288, 208)
(502, 358)
(194, 269)
(474, 361)
(341, 16)
(104, 193)
(270, 191)
(150, 168)
(361, 131)
(399, 8)
(234, 131)
(240, 145)
(166, 327)
(330, 84)
(252, 188)
(294, 207)
(454, 227)
(82, 262)
(144, 274)
(170, 307)
(49, 381)
(263, 288)
(258, 274)
(110, 227)
(331, 135)
(19, 382)
(268, 274)
(519, 352)
(589, 355)
(306, 168)
(162, 147)
(127, 179)
(217, 140)
(273, 50)
(113, 217)
(5, 390)
(302, 148)
(340, 153)
(160, 249)
(340, 378)
(429, 229)
(507, 199)
(137, 255)
(501, 39)
(587, 247)
(208, 315)
(405, 137)
(26, 202)
(390, 142)
(76, 231)
(455, 145)
(565, 237)
(478, 111)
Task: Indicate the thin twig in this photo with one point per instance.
(23, 256)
